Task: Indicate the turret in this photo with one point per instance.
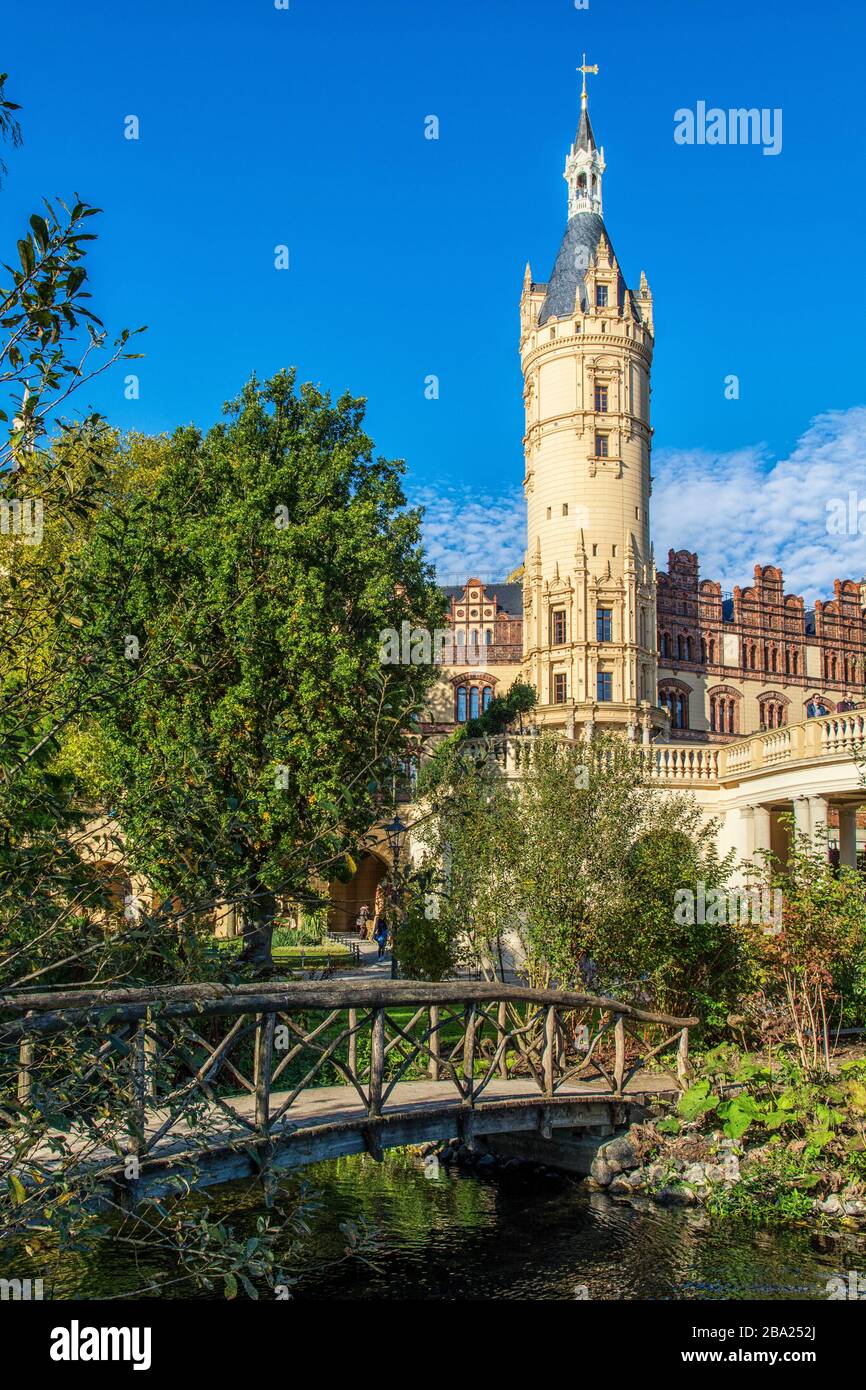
(586, 352)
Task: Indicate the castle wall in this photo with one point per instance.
(758, 659)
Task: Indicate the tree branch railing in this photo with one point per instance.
(179, 1061)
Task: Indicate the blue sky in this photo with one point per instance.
(305, 127)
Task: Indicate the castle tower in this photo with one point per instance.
(586, 344)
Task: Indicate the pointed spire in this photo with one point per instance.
(584, 165)
(585, 139)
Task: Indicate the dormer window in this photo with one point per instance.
(601, 296)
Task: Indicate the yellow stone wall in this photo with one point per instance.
(588, 536)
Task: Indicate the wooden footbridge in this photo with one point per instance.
(151, 1091)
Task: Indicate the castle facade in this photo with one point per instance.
(606, 640)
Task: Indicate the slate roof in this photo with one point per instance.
(578, 247)
(509, 596)
(584, 139)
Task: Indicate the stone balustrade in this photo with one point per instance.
(841, 735)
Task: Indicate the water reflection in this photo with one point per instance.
(512, 1235)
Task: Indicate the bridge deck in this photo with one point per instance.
(330, 1121)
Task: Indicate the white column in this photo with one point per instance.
(761, 834)
(802, 821)
(848, 836)
(818, 817)
(746, 835)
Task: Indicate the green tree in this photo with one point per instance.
(573, 867)
(820, 939)
(51, 485)
(254, 572)
(685, 967)
(470, 835)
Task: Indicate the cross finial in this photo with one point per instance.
(585, 68)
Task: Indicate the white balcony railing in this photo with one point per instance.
(703, 765)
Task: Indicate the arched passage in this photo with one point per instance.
(117, 899)
(348, 898)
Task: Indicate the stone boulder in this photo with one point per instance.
(621, 1154)
(602, 1172)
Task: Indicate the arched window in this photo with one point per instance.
(666, 644)
(461, 637)
(473, 702)
(677, 705)
(724, 711)
(461, 704)
(486, 697)
(773, 713)
(488, 637)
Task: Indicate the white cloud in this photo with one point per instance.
(741, 509)
(735, 509)
(466, 534)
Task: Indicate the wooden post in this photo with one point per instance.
(501, 1016)
(26, 1056)
(377, 1061)
(264, 1054)
(561, 1049)
(619, 1052)
(549, 1049)
(683, 1057)
(149, 1057)
(469, 1053)
(353, 1042)
(139, 1090)
(434, 1043)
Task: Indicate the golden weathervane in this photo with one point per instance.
(586, 67)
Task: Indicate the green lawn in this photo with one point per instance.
(332, 954)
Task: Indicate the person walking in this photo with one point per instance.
(362, 921)
(380, 934)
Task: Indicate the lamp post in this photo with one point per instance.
(395, 832)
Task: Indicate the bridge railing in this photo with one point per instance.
(135, 1072)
